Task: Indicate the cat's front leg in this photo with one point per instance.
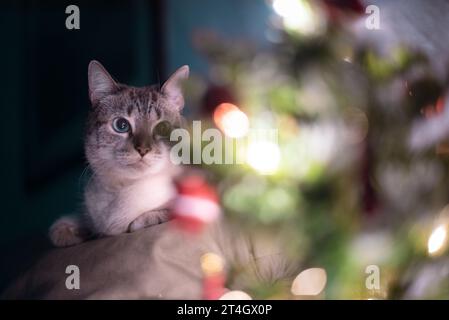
(67, 231)
(148, 219)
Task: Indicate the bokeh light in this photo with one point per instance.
(310, 282)
(235, 295)
(231, 120)
(297, 15)
(211, 263)
(263, 156)
(437, 240)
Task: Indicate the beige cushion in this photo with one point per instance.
(157, 262)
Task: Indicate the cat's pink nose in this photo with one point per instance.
(142, 150)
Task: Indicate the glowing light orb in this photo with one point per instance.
(309, 282)
(231, 120)
(437, 240)
(297, 15)
(263, 156)
(211, 263)
(236, 295)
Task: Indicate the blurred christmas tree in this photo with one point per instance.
(351, 181)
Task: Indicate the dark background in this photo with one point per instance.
(44, 86)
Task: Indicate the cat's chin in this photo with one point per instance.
(139, 165)
(142, 168)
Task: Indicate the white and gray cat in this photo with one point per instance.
(127, 147)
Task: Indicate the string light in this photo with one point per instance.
(211, 263)
(236, 295)
(309, 282)
(214, 276)
(297, 15)
(263, 156)
(437, 240)
(231, 120)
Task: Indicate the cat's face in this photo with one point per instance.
(129, 128)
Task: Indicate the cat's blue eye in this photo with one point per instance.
(121, 125)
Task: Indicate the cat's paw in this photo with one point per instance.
(148, 219)
(66, 232)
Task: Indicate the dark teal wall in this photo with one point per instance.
(43, 86)
(241, 19)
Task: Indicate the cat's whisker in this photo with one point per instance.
(85, 170)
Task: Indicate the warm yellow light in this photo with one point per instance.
(309, 282)
(437, 240)
(231, 120)
(211, 263)
(297, 15)
(263, 156)
(236, 295)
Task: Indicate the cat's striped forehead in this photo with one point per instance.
(143, 102)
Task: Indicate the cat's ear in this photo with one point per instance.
(101, 83)
(172, 88)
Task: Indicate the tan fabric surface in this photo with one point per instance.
(157, 262)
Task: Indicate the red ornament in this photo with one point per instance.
(196, 204)
(214, 96)
(338, 10)
(431, 110)
(345, 5)
(213, 286)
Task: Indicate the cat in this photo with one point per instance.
(127, 147)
